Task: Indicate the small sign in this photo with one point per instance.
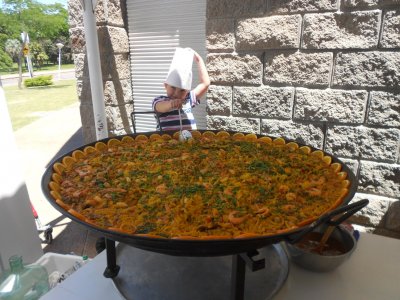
(26, 50)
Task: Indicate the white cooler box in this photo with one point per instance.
(60, 266)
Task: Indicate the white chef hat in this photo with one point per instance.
(180, 70)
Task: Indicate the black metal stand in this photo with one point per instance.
(239, 262)
(238, 276)
(112, 268)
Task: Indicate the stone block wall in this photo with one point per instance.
(115, 66)
(324, 73)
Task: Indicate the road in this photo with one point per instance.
(7, 80)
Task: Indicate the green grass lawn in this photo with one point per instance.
(29, 104)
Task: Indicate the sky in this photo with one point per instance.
(64, 2)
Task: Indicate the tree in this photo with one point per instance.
(5, 60)
(6, 33)
(37, 53)
(14, 48)
(42, 23)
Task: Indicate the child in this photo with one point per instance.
(179, 94)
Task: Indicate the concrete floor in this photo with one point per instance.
(39, 143)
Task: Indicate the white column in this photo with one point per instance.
(93, 57)
(18, 233)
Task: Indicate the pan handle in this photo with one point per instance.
(345, 212)
(342, 213)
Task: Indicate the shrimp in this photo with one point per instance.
(91, 203)
(162, 189)
(236, 220)
(67, 183)
(113, 190)
(77, 193)
(264, 211)
(288, 208)
(314, 192)
(84, 170)
(121, 205)
(290, 196)
(283, 188)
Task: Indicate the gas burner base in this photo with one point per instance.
(148, 275)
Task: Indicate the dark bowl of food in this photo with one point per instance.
(308, 252)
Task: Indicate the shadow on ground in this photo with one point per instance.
(74, 238)
(75, 141)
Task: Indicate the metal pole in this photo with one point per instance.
(93, 57)
(59, 63)
(25, 41)
(59, 46)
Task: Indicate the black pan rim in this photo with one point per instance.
(194, 247)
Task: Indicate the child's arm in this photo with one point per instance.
(202, 87)
(168, 105)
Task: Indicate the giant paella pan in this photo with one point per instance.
(219, 193)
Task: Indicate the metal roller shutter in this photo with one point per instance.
(155, 29)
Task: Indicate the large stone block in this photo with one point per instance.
(367, 69)
(234, 69)
(265, 102)
(341, 30)
(393, 217)
(219, 100)
(386, 232)
(75, 13)
(369, 3)
(374, 213)
(343, 141)
(380, 179)
(81, 66)
(106, 12)
(390, 32)
(367, 143)
(110, 12)
(308, 134)
(113, 40)
(297, 68)
(352, 164)
(380, 144)
(220, 35)
(384, 109)
(115, 67)
(118, 118)
(84, 92)
(330, 105)
(118, 93)
(290, 6)
(233, 124)
(77, 40)
(235, 8)
(275, 32)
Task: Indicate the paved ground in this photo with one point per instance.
(40, 143)
(62, 75)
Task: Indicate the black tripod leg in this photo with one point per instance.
(238, 277)
(112, 268)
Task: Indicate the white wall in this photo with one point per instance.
(156, 28)
(18, 233)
